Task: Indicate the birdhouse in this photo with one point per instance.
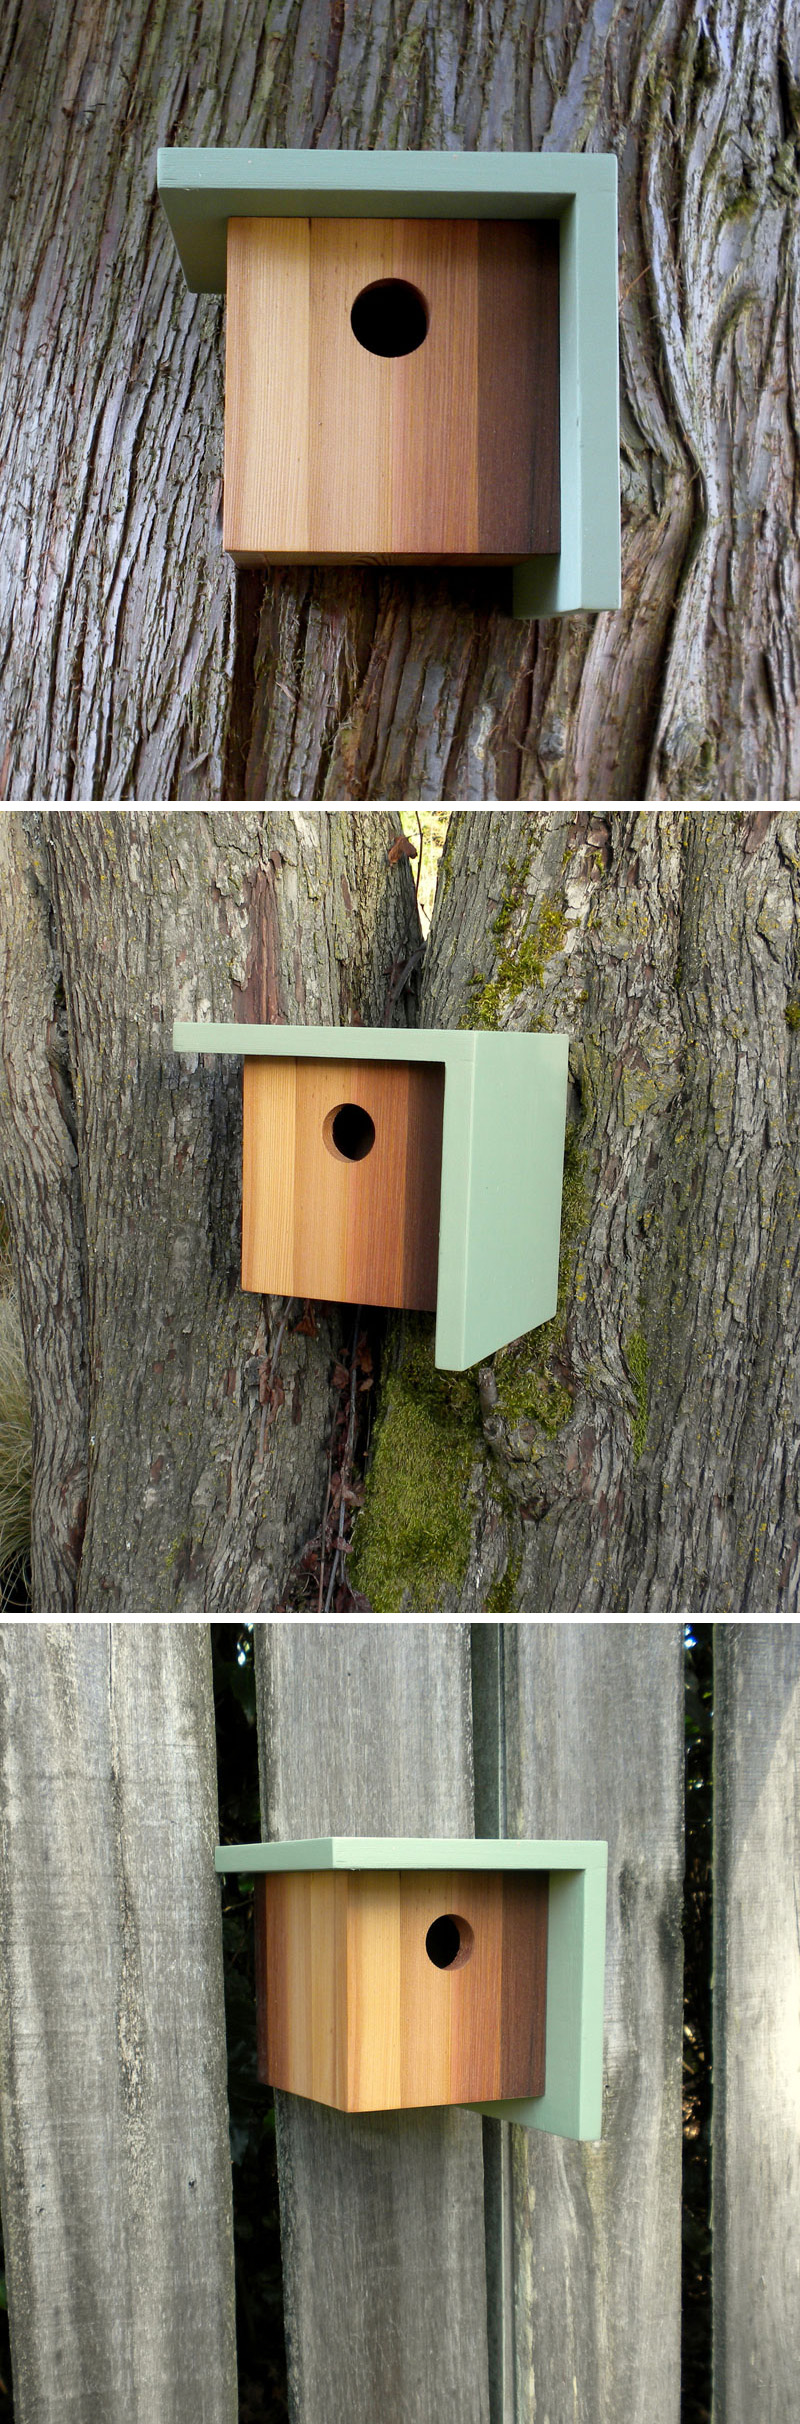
(391, 390)
(341, 1179)
(402, 1167)
(398, 1974)
(421, 358)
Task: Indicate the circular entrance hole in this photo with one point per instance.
(389, 317)
(349, 1133)
(449, 1942)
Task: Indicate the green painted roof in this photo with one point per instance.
(406, 1851)
(201, 189)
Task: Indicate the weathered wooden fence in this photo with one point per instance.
(437, 2269)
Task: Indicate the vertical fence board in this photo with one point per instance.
(756, 2122)
(491, 1818)
(594, 1748)
(114, 2158)
(365, 1729)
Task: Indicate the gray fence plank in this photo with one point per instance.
(756, 2123)
(114, 2159)
(366, 1729)
(594, 1747)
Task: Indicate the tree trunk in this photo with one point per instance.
(756, 2172)
(366, 1730)
(114, 2157)
(165, 1475)
(138, 665)
(637, 1452)
(633, 1454)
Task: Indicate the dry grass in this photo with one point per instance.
(15, 1441)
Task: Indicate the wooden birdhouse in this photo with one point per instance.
(380, 1991)
(398, 1974)
(391, 390)
(402, 1167)
(341, 1176)
(421, 358)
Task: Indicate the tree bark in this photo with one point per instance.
(366, 1730)
(138, 665)
(41, 1186)
(636, 1454)
(633, 1455)
(755, 2143)
(114, 2157)
(163, 1481)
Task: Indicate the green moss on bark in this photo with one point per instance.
(501, 1597)
(520, 960)
(637, 1360)
(412, 1540)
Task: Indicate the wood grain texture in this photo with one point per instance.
(364, 1729)
(448, 453)
(756, 2049)
(114, 2152)
(355, 2014)
(319, 1225)
(592, 1746)
(518, 384)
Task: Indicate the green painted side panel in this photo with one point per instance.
(408, 1851)
(572, 2104)
(201, 189)
(513, 1209)
(502, 1160)
(587, 573)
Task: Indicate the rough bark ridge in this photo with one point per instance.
(135, 665)
(179, 1485)
(39, 1164)
(640, 1451)
(114, 2153)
